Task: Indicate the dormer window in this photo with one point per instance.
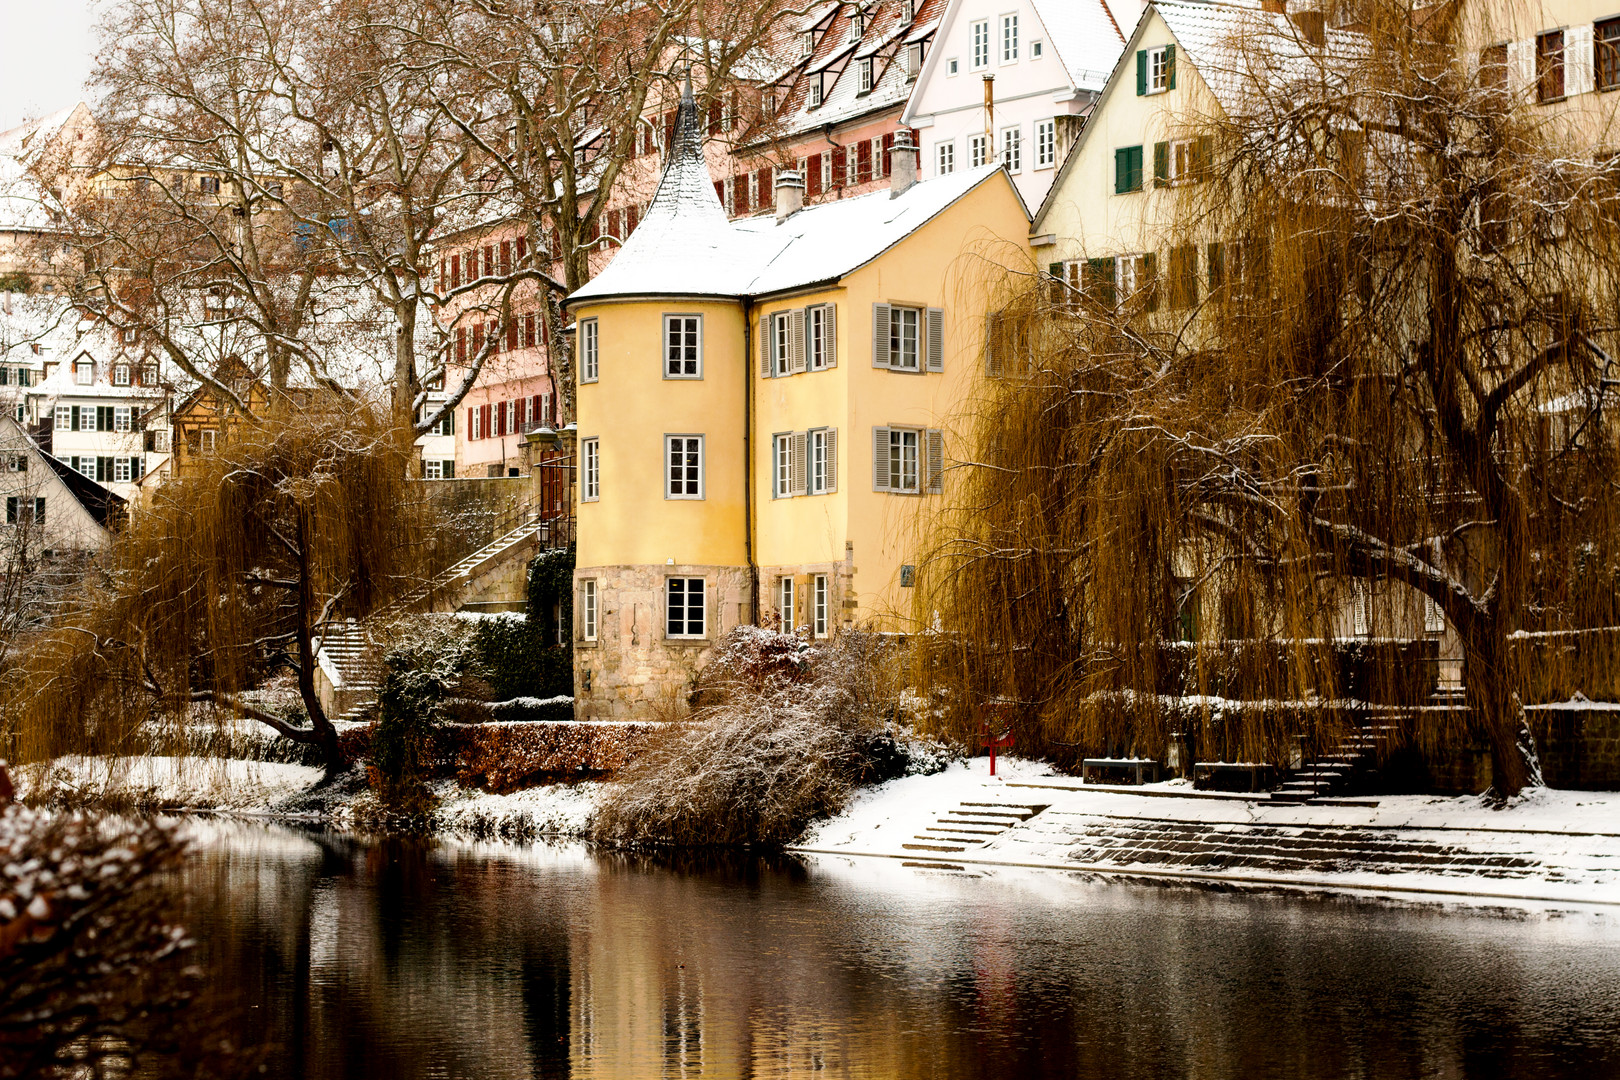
(84, 372)
(863, 70)
(120, 374)
(807, 43)
(914, 60)
(815, 91)
(857, 26)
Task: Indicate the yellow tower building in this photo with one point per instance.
(765, 405)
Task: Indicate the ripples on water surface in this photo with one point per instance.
(400, 960)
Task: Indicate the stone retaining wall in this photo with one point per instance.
(1579, 744)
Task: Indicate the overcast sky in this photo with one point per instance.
(48, 49)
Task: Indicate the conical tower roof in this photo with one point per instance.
(685, 245)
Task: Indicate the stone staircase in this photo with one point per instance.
(349, 668)
(1357, 754)
(973, 824)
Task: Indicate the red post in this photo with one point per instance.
(991, 713)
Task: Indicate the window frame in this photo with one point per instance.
(816, 471)
(979, 46)
(820, 606)
(897, 339)
(897, 460)
(1606, 54)
(784, 604)
(780, 324)
(84, 372)
(1012, 143)
(1046, 143)
(1009, 38)
(670, 320)
(979, 150)
(816, 352)
(590, 350)
(863, 75)
(1552, 64)
(782, 465)
(686, 607)
(590, 469)
(945, 157)
(1158, 70)
(669, 466)
(589, 609)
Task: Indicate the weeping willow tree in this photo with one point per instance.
(1367, 354)
(225, 578)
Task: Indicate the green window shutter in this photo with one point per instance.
(1150, 282)
(1203, 157)
(1122, 170)
(1170, 67)
(1161, 164)
(1055, 269)
(448, 470)
(1215, 257)
(1136, 168)
(1141, 72)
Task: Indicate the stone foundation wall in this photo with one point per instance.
(1578, 743)
(634, 671)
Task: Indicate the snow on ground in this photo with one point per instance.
(1561, 847)
(196, 783)
(553, 810)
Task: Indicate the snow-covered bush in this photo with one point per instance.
(780, 733)
(92, 973)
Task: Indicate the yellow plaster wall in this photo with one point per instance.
(631, 409)
(956, 262)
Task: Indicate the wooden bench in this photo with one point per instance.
(1137, 766)
(1233, 775)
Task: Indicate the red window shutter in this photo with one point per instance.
(522, 249)
(506, 256)
(439, 282)
(512, 335)
(838, 154)
(812, 177)
(461, 344)
(556, 243)
(631, 214)
(528, 331)
(714, 117)
(766, 198)
(534, 410)
(669, 129)
(739, 195)
(888, 144)
(863, 161)
(455, 271)
(489, 260)
(472, 423)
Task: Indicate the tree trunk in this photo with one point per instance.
(325, 734)
(1494, 710)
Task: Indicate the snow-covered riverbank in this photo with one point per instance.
(1546, 848)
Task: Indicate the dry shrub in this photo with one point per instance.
(504, 757)
(780, 734)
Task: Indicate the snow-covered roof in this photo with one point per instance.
(1085, 36)
(686, 246)
(31, 137)
(1235, 46)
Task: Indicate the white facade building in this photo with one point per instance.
(1043, 62)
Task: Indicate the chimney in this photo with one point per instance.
(789, 194)
(902, 163)
(1311, 23)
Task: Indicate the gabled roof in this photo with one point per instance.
(686, 247)
(97, 501)
(1205, 32)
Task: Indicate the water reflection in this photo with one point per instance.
(401, 959)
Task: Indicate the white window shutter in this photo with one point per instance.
(1361, 616)
(796, 341)
(880, 335)
(829, 327)
(1522, 63)
(832, 459)
(1578, 60)
(936, 339)
(765, 346)
(936, 461)
(801, 470)
(1434, 619)
(880, 459)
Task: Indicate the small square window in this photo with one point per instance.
(683, 346)
(684, 607)
(1159, 72)
(1037, 49)
(590, 468)
(951, 66)
(589, 360)
(683, 461)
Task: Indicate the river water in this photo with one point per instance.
(398, 960)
